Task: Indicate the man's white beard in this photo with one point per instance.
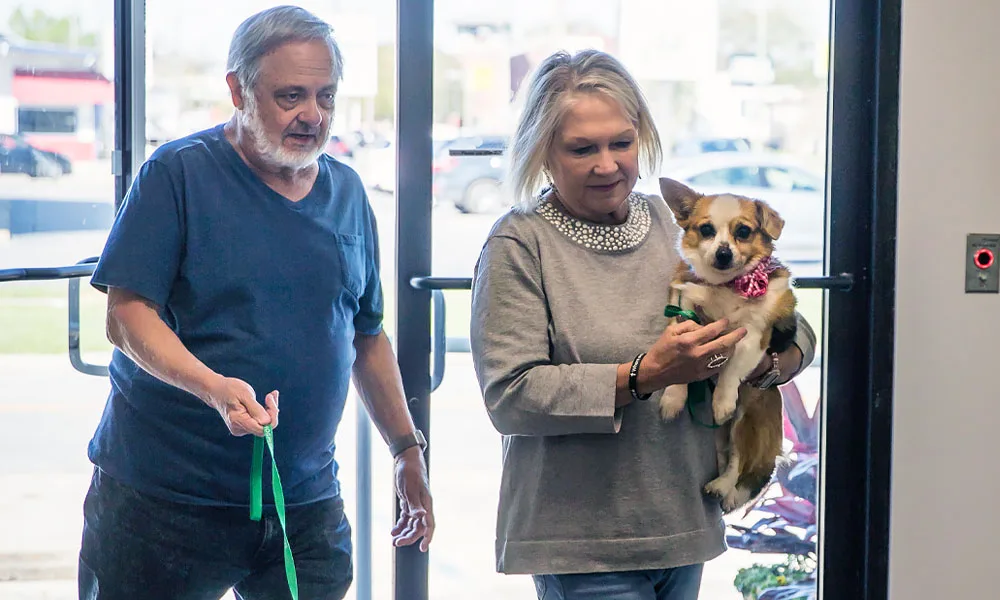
(275, 155)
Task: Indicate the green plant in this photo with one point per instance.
(753, 580)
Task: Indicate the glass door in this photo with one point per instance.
(739, 94)
(745, 95)
(67, 76)
(57, 199)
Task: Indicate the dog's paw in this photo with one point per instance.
(735, 499)
(723, 404)
(719, 487)
(672, 401)
(689, 289)
(693, 293)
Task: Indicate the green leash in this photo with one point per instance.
(256, 500)
(697, 390)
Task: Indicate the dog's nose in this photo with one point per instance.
(723, 257)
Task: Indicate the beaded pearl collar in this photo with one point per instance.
(602, 238)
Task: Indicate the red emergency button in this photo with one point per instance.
(983, 258)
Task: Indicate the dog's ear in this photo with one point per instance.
(770, 221)
(679, 197)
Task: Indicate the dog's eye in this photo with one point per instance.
(743, 232)
(707, 230)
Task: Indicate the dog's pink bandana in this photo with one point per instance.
(754, 283)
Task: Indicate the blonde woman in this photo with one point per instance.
(599, 498)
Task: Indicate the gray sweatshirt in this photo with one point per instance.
(586, 487)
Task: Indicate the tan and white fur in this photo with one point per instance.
(724, 237)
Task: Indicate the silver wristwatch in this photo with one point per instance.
(402, 443)
(768, 379)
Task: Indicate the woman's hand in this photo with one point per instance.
(684, 352)
(762, 368)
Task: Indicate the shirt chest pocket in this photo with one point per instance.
(353, 265)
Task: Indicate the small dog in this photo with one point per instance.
(728, 272)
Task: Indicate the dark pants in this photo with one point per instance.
(137, 546)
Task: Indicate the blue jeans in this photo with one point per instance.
(681, 583)
(138, 546)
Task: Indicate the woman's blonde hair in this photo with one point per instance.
(553, 83)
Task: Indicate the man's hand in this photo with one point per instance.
(416, 516)
(236, 401)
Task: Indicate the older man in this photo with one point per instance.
(243, 272)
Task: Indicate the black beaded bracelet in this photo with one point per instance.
(633, 379)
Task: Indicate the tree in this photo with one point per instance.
(40, 27)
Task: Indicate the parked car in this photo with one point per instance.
(694, 146)
(19, 156)
(795, 191)
(376, 161)
(471, 183)
(338, 147)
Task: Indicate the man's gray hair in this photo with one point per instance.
(271, 28)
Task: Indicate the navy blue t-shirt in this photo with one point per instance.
(257, 287)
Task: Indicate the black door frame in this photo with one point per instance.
(414, 121)
(858, 358)
(130, 94)
(863, 126)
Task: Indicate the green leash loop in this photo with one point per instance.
(256, 500)
(697, 390)
(672, 311)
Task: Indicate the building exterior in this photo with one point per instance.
(56, 99)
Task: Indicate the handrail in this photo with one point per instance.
(841, 283)
(47, 273)
(75, 356)
(441, 283)
(84, 268)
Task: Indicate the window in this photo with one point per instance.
(44, 120)
(57, 195)
(790, 179)
(732, 176)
